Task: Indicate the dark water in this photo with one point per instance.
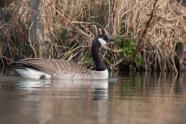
(127, 99)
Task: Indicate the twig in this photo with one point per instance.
(30, 41)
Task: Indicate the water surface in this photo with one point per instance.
(126, 99)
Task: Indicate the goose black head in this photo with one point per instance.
(102, 40)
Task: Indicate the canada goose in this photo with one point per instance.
(37, 68)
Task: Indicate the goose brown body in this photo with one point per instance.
(60, 69)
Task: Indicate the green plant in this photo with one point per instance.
(139, 62)
(127, 47)
(64, 36)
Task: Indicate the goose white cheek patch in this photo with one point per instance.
(101, 41)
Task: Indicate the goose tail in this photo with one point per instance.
(29, 73)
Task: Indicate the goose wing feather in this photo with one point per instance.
(51, 66)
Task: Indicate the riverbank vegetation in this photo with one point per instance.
(146, 32)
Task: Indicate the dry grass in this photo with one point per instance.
(70, 26)
(158, 25)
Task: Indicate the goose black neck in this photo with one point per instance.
(100, 66)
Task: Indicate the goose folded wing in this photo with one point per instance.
(50, 66)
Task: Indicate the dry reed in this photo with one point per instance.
(70, 26)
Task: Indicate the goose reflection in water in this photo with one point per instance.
(68, 88)
(31, 84)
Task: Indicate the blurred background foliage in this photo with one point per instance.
(145, 32)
